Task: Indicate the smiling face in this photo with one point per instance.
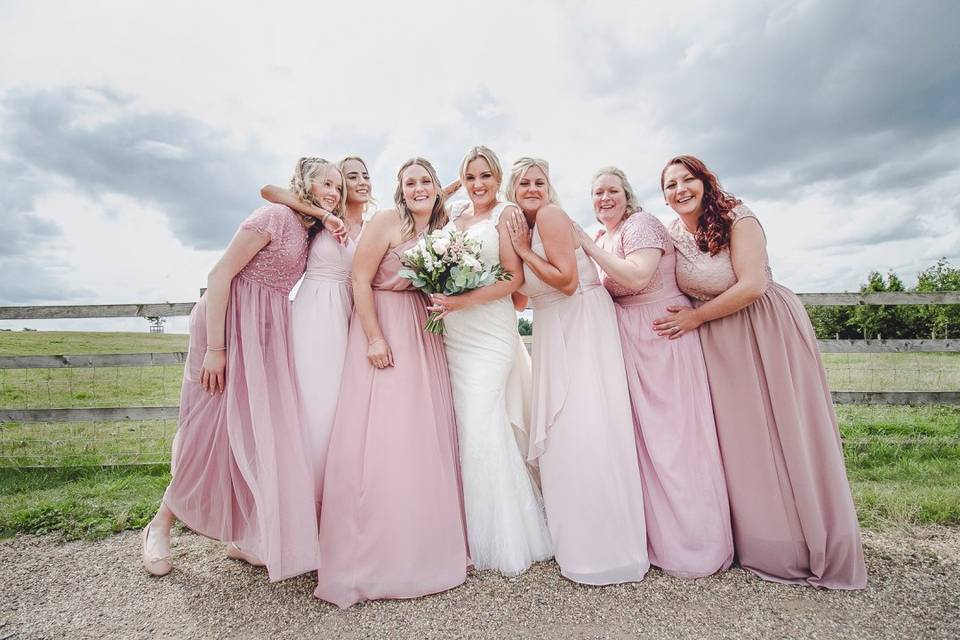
(532, 190)
(358, 181)
(419, 189)
(682, 190)
(609, 200)
(480, 183)
(328, 190)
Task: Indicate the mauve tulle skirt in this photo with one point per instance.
(240, 467)
(793, 516)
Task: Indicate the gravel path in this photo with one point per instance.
(93, 590)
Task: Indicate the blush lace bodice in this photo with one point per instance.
(281, 262)
(700, 275)
(640, 231)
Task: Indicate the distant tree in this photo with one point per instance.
(941, 321)
(886, 321)
(524, 327)
(832, 322)
(894, 321)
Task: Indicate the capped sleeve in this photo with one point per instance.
(271, 220)
(643, 231)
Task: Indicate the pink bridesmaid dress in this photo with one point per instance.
(392, 523)
(240, 467)
(684, 492)
(793, 515)
(320, 321)
(581, 431)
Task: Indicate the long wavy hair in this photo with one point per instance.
(438, 216)
(713, 226)
(309, 171)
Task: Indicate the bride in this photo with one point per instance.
(489, 372)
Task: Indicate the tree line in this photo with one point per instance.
(913, 321)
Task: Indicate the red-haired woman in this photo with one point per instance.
(793, 515)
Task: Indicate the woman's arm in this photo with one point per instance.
(748, 253)
(559, 270)
(330, 222)
(634, 271)
(510, 262)
(451, 188)
(378, 235)
(520, 301)
(245, 244)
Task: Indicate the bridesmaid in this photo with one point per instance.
(793, 515)
(687, 512)
(323, 304)
(581, 428)
(392, 521)
(240, 471)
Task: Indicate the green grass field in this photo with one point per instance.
(903, 462)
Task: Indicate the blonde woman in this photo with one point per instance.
(324, 303)
(241, 468)
(581, 427)
(490, 373)
(684, 492)
(392, 519)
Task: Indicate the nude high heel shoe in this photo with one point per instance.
(157, 565)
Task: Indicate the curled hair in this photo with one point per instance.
(371, 201)
(438, 215)
(713, 226)
(633, 203)
(310, 171)
(519, 169)
(487, 154)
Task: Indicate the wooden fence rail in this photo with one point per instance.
(168, 309)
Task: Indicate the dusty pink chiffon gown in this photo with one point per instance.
(320, 320)
(581, 431)
(793, 515)
(392, 523)
(240, 467)
(684, 492)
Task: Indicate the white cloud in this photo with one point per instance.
(797, 113)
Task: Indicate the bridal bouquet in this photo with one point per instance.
(448, 262)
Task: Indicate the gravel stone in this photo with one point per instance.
(52, 589)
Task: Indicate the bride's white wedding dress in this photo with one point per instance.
(490, 374)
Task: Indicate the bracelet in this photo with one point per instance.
(223, 348)
(370, 343)
(323, 218)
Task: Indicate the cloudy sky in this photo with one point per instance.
(134, 136)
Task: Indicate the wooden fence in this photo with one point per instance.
(108, 414)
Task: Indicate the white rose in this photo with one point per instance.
(471, 262)
(441, 245)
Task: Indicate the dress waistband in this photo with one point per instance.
(338, 274)
(547, 299)
(646, 298)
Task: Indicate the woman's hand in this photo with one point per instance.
(588, 244)
(519, 234)
(213, 371)
(379, 354)
(336, 227)
(445, 305)
(680, 321)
